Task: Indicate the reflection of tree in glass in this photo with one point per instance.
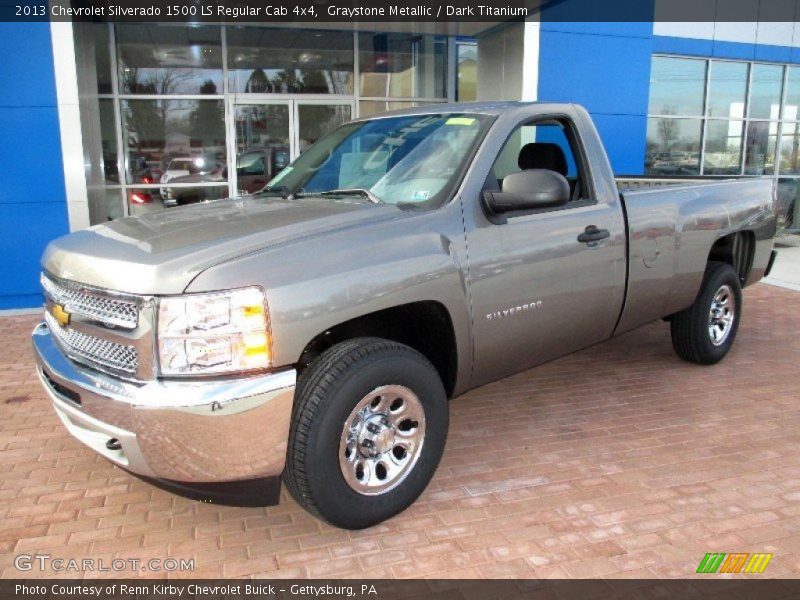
(286, 81)
(263, 125)
(207, 120)
(322, 82)
(146, 120)
(257, 83)
(297, 81)
(145, 127)
(668, 132)
(317, 120)
(153, 81)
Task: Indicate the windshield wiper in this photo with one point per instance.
(351, 192)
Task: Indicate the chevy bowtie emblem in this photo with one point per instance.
(61, 315)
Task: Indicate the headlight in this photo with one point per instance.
(221, 332)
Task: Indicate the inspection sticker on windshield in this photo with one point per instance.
(420, 195)
(459, 121)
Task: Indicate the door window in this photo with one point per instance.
(547, 144)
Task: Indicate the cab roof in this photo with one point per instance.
(492, 108)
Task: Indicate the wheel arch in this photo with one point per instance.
(736, 249)
(426, 326)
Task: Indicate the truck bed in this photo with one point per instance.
(671, 225)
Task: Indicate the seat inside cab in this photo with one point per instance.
(543, 145)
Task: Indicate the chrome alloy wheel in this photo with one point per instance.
(382, 439)
(722, 315)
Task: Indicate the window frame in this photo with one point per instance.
(584, 172)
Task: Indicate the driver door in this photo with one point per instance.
(537, 291)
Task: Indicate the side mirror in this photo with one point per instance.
(530, 189)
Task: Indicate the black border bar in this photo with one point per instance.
(409, 11)
(465, 589)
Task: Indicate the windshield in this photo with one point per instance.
(412, 159)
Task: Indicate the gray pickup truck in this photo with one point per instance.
(317, 329)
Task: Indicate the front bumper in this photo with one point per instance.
(190, 431)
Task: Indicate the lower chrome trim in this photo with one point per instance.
(95, 434)
(192, 431)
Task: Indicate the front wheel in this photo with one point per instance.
(368, 431)
(704, 332)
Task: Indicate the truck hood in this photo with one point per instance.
(161, 252)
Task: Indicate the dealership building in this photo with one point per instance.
(98, 118)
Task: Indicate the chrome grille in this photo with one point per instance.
(92, 305)
(94, 349)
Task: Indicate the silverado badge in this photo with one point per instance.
(61, 315)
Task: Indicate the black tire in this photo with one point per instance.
(328, 391)
(691, 337)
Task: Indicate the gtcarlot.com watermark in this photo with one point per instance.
(56, 564)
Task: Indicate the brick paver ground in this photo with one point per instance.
(620, 460)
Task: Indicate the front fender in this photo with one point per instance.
(319, 282)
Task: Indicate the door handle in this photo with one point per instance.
(592, 234)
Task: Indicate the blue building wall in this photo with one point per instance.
(33, 207)
(606, 68)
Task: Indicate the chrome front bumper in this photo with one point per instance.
(189, 431)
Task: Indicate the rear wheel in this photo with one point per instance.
(705, 332)
(368, 431)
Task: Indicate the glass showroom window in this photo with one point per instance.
(289, 61)
(96, 49)
(762, 141)
(467, 76)
(788, 163)
(170, 134)
(159, 109)
(402, 65)
(765, 92)
(677, 88)
(673, 146)
(180, 142)
(763, 111)
(372, 107)
(316, 120)
(743, 115)
(166, 59)
(723, 147)
(790, 131)
(727, 89)
(790, 139)
(109, 166)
